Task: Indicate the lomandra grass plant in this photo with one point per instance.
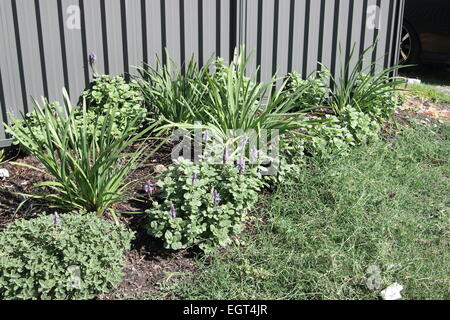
(170, 93)
(235, 103)
(231, 102)
(88, 173)
(354, 87)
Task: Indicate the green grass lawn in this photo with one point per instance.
(429, 92)
(386, 205)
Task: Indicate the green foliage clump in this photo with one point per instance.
(171, 94)
(71, 256)
(88, 173)
(202, 204)
(105, 94)
(339, 133)
(385, 105)
(32, 122)
(314, 90)
(109, 92)
(360, 87)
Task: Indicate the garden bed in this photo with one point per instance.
(180, 219)
(148, 263)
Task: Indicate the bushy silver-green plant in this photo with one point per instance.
(339, 133)
(67, 256)
(203, 204)
(106, 92)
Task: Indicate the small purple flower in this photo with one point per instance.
(241, 164)
(56, 219)
(172, 211)
(225, 154)
(194, 178)
(206, 136)
(216, 197)
(92, 59)
(149, 187)
(254, 154)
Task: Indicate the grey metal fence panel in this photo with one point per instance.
(44, 44)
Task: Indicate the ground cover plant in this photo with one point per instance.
(317, 235)
(203, 204)
(67, 256)
(314, 90)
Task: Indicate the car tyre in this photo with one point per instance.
(409, 45)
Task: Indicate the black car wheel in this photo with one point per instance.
(409, 46)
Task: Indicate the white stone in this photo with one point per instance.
(410, 81)
(392, 292)
(4, 173)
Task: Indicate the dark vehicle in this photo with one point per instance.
(426, 32)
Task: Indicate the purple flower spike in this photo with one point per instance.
(149, 187)
(92, 59)
(216, 197)
(241, 164)
(194, 178)
(56, 219)
(172, 211)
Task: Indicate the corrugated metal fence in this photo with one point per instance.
(44, 44)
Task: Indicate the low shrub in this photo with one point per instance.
(314, 90)
(32, 122)
(339, 133)
(106, 92)
(202, 204)
(71, 256)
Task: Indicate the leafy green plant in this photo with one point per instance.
(202, 204)
(339, 133)
(71, 256)
(355, 87)
(171, 94)
(106, 92)
(314, 90)
(88, 173)
(31, 121)
(233, 102)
